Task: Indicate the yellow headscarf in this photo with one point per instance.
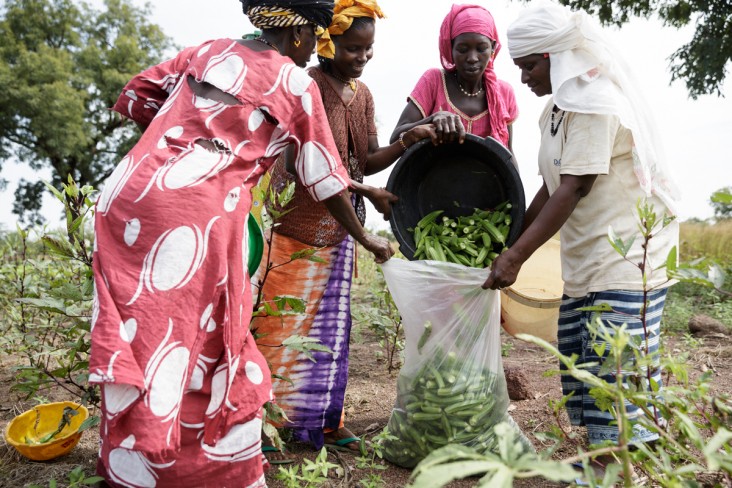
(343, 14)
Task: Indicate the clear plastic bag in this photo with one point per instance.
(451, 388)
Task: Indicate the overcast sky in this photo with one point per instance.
(695, 133)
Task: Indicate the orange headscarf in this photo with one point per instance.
(343, 14)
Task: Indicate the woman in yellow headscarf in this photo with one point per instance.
(313, 398)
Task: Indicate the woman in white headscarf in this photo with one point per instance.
(598, 156)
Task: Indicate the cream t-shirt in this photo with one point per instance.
(597, 144)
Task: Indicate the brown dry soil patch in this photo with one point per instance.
(369, 400)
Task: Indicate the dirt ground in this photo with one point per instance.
(369, 400)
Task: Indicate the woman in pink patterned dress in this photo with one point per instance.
(181, 379)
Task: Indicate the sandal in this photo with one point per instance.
(343, 444)
(276, 456)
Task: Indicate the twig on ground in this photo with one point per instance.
(346, 479)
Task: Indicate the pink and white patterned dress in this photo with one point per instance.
(181, 378)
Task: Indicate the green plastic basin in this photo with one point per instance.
(256, 245)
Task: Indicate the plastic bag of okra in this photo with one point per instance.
(451, 388)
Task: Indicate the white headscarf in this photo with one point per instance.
(588, 75)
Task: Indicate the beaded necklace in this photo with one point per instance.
(265, 41)
(349, 82)
(467, 93)
(552, 129)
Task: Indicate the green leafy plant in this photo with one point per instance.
(280, 305)
(372, 459)
(692, 342)
(510, 463)
(382, 316)
(75, 479)
(51, 307)
(506, 348)
(308, 475)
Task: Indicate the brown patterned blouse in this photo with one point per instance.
(351, 123)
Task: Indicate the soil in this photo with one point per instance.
(369, 400)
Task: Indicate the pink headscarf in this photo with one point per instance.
(478, 20)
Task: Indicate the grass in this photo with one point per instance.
(703, 239)
(686, 300)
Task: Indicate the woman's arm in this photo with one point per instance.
(379, 197)
(549, 218)
(380, 158)
(535, 207)
(341, 209)
(448, 126)
(510, 142)
(144, 95)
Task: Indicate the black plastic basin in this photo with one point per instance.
(456, 178)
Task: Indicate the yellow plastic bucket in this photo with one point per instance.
(25, 430)
(531, 304)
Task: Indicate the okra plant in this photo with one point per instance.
(48, 305)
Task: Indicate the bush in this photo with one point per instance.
(47, 292)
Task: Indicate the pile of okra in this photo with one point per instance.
(474, 240)
(447, 401)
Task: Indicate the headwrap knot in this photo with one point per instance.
(343, 14)
(268, 14)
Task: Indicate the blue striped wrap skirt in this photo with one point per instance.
(574, 337)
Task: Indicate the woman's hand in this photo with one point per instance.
(416, 134)
(504, 270)
(379, 246)
(448, 127)
(382, 199)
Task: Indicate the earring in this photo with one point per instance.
(297, 43)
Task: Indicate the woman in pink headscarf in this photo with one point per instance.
(465, 96)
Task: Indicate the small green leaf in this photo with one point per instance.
(54, 190)
(308, 254)
(600, 308)
(92, 480)
(58, 246)
(74, 226)
(305, 345)
(283, 378)
(90, 422)
(48, 304)
(672, 260)
(722, 196)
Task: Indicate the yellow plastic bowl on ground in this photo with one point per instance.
(531, 304)
(25, 430)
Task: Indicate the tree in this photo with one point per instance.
(703, 62)
(721, 201)
(62, 65)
